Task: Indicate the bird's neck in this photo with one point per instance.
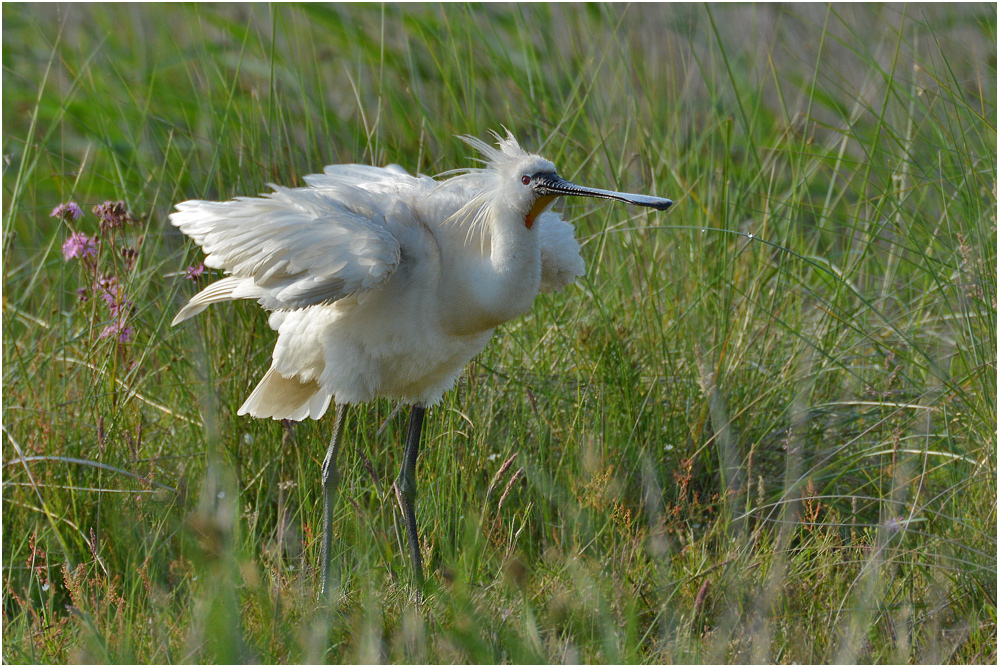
(514, 271)
(501, 276)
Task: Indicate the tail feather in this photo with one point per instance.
(220, 291)
(282, 398)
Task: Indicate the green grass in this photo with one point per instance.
(762, 427)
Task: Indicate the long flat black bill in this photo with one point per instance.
(553, 184)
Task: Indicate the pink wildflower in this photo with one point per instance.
(79, 245)
(113, 294)
(119, 329)
(195, 271)
(67, 211)
(112, 215)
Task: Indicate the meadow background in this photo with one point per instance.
(762, 427)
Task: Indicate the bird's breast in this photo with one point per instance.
(484, 297)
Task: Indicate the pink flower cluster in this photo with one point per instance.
(113, 294)
(120, 329)
(67, 211)
(194, 272)
(79, 245)
(113, 216)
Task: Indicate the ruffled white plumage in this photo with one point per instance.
(364, 268)
(292, 248)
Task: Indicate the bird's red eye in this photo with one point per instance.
(525, 179)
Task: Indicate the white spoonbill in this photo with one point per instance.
(383, 284)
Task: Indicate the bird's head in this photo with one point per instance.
(528, 184)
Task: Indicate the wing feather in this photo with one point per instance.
(298, 247)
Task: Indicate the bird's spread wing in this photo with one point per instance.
(298, 247)
(380, 180)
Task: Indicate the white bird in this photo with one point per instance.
(383, 284)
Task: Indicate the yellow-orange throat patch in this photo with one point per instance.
(540, 205)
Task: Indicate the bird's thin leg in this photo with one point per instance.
(406, 489)
(331, 482)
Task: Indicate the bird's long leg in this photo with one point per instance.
(331, 482)
(406, 489)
